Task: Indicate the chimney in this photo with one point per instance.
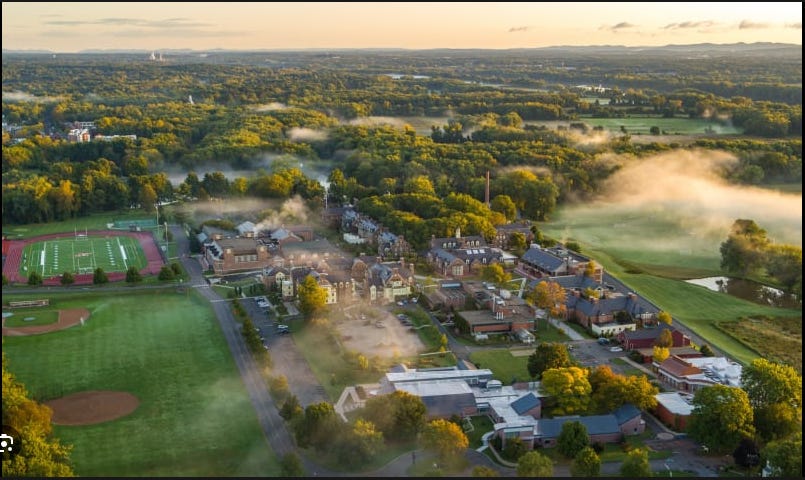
(486, 196)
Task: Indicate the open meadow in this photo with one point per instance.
(194, 416)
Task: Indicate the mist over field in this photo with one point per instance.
(674, 209)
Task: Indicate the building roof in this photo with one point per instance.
(595, 425)
(413, 375)
(675, 403)
(679, 367)
(626, 412)
(648, 333)
(245, 227)
(526, 403)
(432, 388)
(543, 259)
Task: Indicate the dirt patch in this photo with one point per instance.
(88, 408)
(378, 332)
(67, 319)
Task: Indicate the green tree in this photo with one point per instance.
(5, 280)
(721, 417)
(176, 268)
(317, 426)
(534, 464)
(312, 296)
(664, 317)
(43, 455)
(398, 415)
(166, 273)
(785, 456)
(548, 355)
(291, 466)
(514, 449)
(34, 278)
(665, 339)
(570, 387)
(291, 408)
(747, 454)
(445, 438)
(133, 275)
(99, 276)
(67, 278)
(743, 251)
(775, 392)
(517, 243)
(706, 351)
(504, 204)
(636, 465)
(586, 463)
(484, 471)
(495, 273)
(573, 439)
(358, 445)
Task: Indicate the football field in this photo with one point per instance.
(82, 255)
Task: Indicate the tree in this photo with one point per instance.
(660, 353)
(664, 317)
(176, 268)
(721, 417)
(99, 277)
(312, 296)
(534, 464)
(768, 382)
(445, 438)
(34, 278)
(133, 275)
(785, 457)
(586, 463)
(548, 355)
(514, 449)
(504, 204)
(775, 392)
(664, 339)
(67, 279)
(706, 351)
(484, 471)
(317, 426)
(636, 464)
(494, 273)
(747, 454)
(743, 251)
(654, 130)
(291, 408)
(517, 243)
(573, 439)
(590, 268)
(5, 280)
(398, 415)
(148, 198)
(358, 445)
(43, 455)
(570, 387)
(549, 296)
(291, 466)
(166, 273)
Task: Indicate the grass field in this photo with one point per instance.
(655, 273)
(91, 222)
(195, 417)
(780, 339)
(503, 364)
(82, 255)
(28, 317)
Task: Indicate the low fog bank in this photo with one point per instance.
(676, 203)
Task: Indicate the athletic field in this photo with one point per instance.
(82, 254)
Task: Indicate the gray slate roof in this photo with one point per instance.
(526, 403)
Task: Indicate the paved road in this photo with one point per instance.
(272, 425)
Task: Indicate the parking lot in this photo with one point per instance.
(589, 353)
(285, 356)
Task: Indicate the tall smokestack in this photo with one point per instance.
(486, 196)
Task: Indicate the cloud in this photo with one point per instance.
(519, 29)
(617, 27)
(689, 24)
(270, 107)
(135, 22)
(748, 24)
(298, 134)
(796, 25)
(176, 33)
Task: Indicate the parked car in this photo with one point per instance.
(616, 349)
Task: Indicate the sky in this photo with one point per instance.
(75, 26)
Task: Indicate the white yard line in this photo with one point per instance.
(123, 253)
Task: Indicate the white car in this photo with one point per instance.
(616, 349)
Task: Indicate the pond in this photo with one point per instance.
(749, 290)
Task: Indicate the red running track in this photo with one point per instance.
(13, 251)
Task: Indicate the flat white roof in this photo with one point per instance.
(432, 389)
(674, 403)
(414, 376)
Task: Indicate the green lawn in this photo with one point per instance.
(195, 417)
(92, 222)
(503, 364)
(27, 317)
